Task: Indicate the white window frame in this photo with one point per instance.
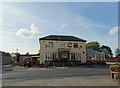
(50, 44)
(63, 45)
(76, 56)
(48, 56)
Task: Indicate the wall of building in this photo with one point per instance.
(6, 58)
(44, 48)
(34, 58)
(21, 59)
(95, 56)
(112, 59)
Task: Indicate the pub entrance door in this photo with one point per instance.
(63, 56)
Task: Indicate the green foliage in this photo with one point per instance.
(15, 57)
(117, 52)
(96, 46)
(107, 50)
(93, 45)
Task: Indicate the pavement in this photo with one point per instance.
(21, 68)
(9, 67)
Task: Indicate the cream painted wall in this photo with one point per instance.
(57, 44)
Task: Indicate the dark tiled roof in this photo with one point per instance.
(62, 38)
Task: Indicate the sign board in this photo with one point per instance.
(115, 71)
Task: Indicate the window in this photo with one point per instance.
(75, 45)
(50, 56)
(50, 44)
(63, 44)
(75, 56)
(72, 56)
(54, 56)
(78, 56)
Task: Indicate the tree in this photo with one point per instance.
(117, 52)
(106, 50)
(15, 57)
(93, 45)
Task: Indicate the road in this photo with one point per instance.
(53, 73)
(28, 74)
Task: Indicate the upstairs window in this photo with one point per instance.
(50, 44)
(63, 44)
(75, 45)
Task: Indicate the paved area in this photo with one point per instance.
(21, 68)
(58, 76)
(45, 73)
(66, 81)
(8, 68)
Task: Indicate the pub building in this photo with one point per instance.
(56, 49)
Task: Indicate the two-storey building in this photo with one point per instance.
(60, 48)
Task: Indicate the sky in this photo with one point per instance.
(23, 23)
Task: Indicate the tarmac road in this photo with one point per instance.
(57, 76)
(33, 73)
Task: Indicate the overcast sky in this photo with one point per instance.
(23, 23)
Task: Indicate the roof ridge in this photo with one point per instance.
(62, 38)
